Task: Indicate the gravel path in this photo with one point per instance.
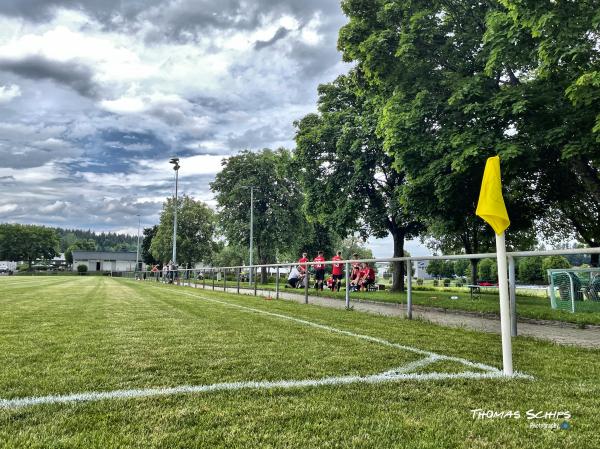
(561, 333)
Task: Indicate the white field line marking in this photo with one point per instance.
(380, 341)
(401, 373)
(283, 384)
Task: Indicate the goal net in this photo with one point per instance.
(575, 289)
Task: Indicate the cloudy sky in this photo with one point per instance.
(96, 95)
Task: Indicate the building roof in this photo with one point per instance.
(103, 255)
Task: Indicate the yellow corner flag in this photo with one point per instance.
(491, 205)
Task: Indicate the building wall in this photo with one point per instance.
(105, 265)
(420, 271)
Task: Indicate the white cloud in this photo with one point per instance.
(8, 93)
(7, 208)
(106, 83)
(57, 206)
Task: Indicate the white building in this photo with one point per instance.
(104, 260)
(420, 272)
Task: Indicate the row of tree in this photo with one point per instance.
(31, 243)
(27, 243)
(437, 87)
(282, 228)
(399, 143)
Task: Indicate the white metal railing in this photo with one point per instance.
(192, 274)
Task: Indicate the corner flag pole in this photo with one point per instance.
(492, 209)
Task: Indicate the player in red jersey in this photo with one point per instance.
(319, 270)
(367, 277)
(337, 271)
(301, 261)
(355, 274)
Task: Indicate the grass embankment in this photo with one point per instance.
(98, 334)
(529, 305)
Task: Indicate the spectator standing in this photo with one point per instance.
(319, 270)
(165, 272)
(302, 261)
(337, 271)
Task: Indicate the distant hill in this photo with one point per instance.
(105, 241)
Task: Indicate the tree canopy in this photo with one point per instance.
(27, 243)
(196, 224)
(277, 201)
(349, 180)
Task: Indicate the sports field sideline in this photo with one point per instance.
(102, 362)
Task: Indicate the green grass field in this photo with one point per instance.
(73, 335)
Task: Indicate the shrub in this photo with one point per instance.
(82, 269)
(435, 283)
(530, 270)
(487, 270)
(419, 281)
(554, 262)
(446, 282)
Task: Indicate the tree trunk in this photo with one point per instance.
(263, 271)
(474, 263)
(398, 267)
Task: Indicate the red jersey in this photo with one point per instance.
(319, 266)
(369, 273)
(337, 267)
(301, 261)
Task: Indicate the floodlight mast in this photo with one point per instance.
(175, 162)
(137, 256)
(251, 227)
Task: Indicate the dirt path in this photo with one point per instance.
(554, 331)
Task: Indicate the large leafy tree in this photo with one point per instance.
(349, 179)
(147, 256)
(195, 232)
(442, 113)
(312, 236)
(27, 243)
(278, 220)
(550, 49)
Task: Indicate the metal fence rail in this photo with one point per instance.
(237, 274)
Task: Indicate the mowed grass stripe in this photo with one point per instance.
(100, 335)
(23, 284)
(346, 333)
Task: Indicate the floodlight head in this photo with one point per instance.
(175, 162)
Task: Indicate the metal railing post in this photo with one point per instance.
(572, 292)
(307, 281)
(512, 295)
(277, 283)
(255, 280)
(409, 291)
(239, 272)
(347, 285)
(225, 280)
(213, 273)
